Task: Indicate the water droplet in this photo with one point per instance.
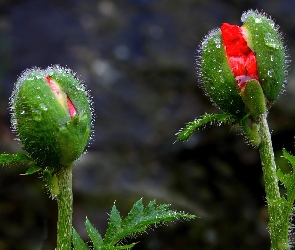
(258, 20)
(38, 97)
(37, 116)
(270, 41)
(271, 58)
(43, 106)
(270, 72)
(22, 112)
(217, 42)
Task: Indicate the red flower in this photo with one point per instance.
(241, 58)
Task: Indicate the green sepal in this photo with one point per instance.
(264, 39)
(219, 81)
(254, 99)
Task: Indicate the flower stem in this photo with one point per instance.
(65, 208)
(279, 241)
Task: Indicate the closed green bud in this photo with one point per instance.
(233, 56)
(52, 115)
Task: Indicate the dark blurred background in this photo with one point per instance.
(137, 58)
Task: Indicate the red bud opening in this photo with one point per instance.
(72, 108)
(242, 60)
(59, 93)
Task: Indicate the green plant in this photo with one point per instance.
(52, 115)
(243, 71)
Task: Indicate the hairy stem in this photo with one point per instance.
(278, 241)
(65, 208)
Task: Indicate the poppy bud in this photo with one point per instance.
(51, 112)
(232, 56)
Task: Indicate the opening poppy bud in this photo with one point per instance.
(232, 56)
(51, 112)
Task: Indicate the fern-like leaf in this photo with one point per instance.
(190, 127)
(138, 220)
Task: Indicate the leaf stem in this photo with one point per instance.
(278, 241)
(65, 208)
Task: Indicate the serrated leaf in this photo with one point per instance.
(288, 179)
(78, 243)
(284, 206)
(284, 178)
(134, 215)
(190, 127)
(94, 235)
(138, 220)
(114, 227)
(290, 158)
(15, 159)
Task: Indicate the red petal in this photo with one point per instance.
(233, 40)
(237, 65)
(251, 65)
(72, 108)
(230, 33)
(54, 87)
(241, 58)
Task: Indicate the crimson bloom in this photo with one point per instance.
(243, 67)
(242, 60)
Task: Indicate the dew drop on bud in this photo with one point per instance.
(270, 41)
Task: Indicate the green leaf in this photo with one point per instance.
(33, 169)
(114, 227)
(15, 159)
(288, 179)
(138, 220)
(119, 247)
(94, 235)
(78, 243)
(289, 157)
(186, 132)
(285, 205)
